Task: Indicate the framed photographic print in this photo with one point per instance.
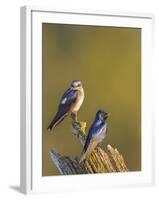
(86, 99)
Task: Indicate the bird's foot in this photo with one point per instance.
(74, 116)
(78, 124)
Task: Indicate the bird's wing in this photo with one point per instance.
(92, 145)
(66, 102)
(95, 136)
(95, 132)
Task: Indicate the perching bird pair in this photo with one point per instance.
(70, 103)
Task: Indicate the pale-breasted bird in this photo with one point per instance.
(96, 134)
(70, 102)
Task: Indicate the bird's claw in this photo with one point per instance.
(74, 117)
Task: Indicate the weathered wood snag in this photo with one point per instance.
(99, 161)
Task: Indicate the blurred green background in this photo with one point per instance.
(108, 62)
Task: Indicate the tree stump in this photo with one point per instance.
(99, 161)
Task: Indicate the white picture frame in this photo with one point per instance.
(31, 100)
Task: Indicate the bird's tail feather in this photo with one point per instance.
(56, 120)
(87, 153)
(83, 157)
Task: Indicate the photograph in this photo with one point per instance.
(91, 99)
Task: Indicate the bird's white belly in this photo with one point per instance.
(78, 102)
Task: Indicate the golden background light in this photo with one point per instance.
(108, 62)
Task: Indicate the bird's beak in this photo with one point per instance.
(106, 115)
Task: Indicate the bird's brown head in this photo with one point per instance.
(76, 84)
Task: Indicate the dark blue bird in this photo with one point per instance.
(96, 134)
(70, 102)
